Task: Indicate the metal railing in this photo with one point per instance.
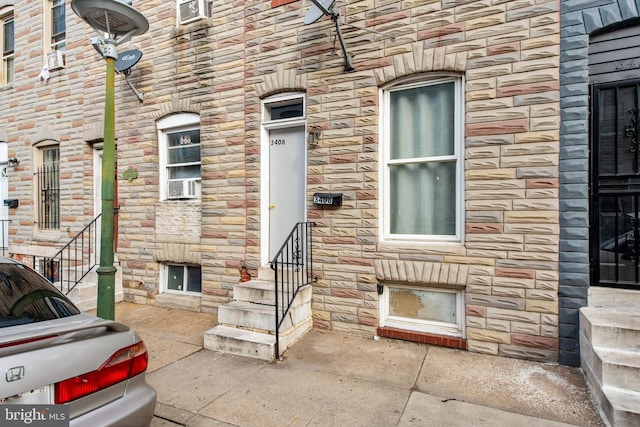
(75, 260)
(293, 268)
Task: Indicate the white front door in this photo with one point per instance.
(287, 183)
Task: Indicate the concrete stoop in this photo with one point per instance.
(85, 294)
(610, 353)
(247, 324)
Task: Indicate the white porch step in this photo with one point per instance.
(255, 291)
(260, 317)
(240, 342)
(604, 327)
(257, 345)
(619, 369)
(610, 353)
(622, 408)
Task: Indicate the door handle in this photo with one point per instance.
(271, 206)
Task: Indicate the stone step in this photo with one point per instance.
(255, 291)
(622, 408)
(617, 368)
(263, 292)
(257, 345)
(259, 316)
(603, 327)
(240, 342)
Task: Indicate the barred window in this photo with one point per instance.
(48, 182)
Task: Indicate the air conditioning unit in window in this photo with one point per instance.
(182, 189)
(55, 60)
(192, 10)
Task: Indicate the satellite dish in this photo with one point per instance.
(318, 10)
(127, 59)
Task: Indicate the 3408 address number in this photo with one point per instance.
(278, 141)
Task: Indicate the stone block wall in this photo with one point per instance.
(509, 56)
(223, 67)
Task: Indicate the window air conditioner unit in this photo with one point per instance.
(192, 10)
(55, 60)
(182, 189)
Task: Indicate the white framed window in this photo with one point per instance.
(422, 150)
(192, 10)
(55, 25)
(423, 309)
(182, 279)
(47, 185)
(180, 162)
(7, 40)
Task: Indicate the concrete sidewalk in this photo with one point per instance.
(330, 379)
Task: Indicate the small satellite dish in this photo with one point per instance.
(316, 11)
(127, 60)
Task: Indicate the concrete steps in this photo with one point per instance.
(610, 353)
(85, 294)
(247, 324)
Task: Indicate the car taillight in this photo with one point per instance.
(124, 364)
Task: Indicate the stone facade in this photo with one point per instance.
(221, 68)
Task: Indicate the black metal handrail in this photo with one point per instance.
(75, 260)
(293, 267)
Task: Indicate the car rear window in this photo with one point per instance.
(26, 297)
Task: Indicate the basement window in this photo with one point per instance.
(183, 279)
(423, 309)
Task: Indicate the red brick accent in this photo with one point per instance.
(423, 338)
(476, 310)
(517, 273)
(276, 3)
(543, 183)
(478, 228)
(534, 341)
(497, 128)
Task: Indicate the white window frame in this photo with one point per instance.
(164, 286)
(6, 14)
(49, 45)
(170, 124)
(458, 156)
(419, 325)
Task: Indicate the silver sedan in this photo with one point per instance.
(76, 366)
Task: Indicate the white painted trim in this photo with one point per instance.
(174, 122)
(383, 172)
(265, 128)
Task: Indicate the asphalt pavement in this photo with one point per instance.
(332, 379)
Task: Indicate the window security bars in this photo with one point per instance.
(49, 196)
(293, 268)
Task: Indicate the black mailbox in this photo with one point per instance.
(12, 203)
(327, 199)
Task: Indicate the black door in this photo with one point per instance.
(615, 185)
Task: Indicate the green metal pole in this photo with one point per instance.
(107, 271)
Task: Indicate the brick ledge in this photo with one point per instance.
(423, 338)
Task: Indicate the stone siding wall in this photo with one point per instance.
(222, 68)
(509, 56)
